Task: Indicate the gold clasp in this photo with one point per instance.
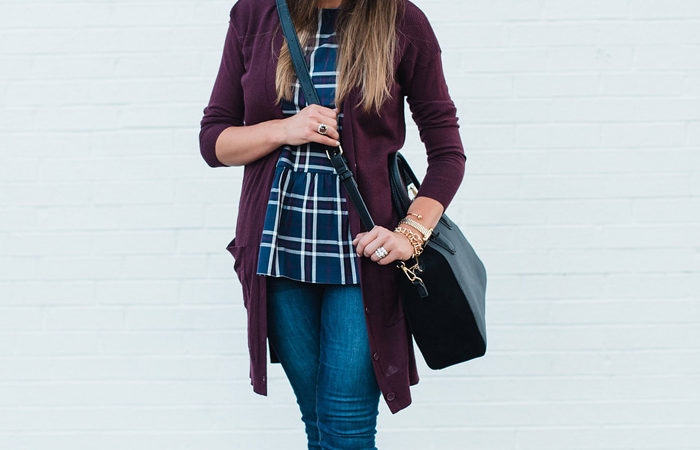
(411, 271)
(328, 154)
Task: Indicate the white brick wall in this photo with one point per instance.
(121, 323)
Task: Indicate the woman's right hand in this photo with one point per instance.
(302, 127)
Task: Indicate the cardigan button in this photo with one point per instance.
(390, 396)
(366, 309)
(375, 355)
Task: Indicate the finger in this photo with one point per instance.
(331, 137)
(356, 243)
(392, 247)
(366, 238)
(379, 241)
(391, 256)
(376, 238)
(330, 121)
(325, 140)
(331, 133)
(326, 114)
(388, 259)
(358, 236)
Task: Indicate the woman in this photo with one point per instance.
(320, 290)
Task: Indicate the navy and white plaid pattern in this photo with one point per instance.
(306, 235)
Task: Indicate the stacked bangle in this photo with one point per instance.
(415, 238)
(419, 226)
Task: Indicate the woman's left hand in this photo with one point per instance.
(396, 244)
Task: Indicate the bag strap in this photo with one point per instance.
(290, 35)
(335, 154)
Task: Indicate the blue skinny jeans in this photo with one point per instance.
(319, 333)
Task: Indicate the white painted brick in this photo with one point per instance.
(136, 292)
(643, 135)
(210, 318)
(146, 367)
(693, 135)
(582, 9)
(229, 342)
(556, 136)
(468, 12)
(45, 292)
(666, 57)
(19, 319)
(652, 32)
(496, 60)
(667, 9)
(84, 319)
(225, 289)
(560, 85)
(41, 194)
(15, 218)
(155, 341)
(122, 322)
(590, 58)
(526, 34)
(149, 192)
(493, 86)
(57, 343)
(77, 268)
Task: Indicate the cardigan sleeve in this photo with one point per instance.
(225, 106)
(433, 111)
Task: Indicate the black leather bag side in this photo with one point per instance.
(449, 324)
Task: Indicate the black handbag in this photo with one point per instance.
(444, 291)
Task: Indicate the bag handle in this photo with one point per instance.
(311, 97)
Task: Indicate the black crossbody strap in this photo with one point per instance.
(302, 69)
(311, 96)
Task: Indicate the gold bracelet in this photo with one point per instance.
(410, 232)
(415, 214)
(422, 228)
(415, 239)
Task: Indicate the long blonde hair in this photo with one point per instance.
(366, 37)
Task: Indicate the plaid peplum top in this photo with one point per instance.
(306, 235)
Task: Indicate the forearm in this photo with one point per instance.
(430, 209)
(240, 145)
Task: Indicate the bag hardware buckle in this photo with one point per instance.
(411, 271)
(341, 151)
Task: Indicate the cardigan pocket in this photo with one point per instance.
(237, 252)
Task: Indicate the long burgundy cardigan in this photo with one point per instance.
(244, 93)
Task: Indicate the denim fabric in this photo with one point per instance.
(319, 332)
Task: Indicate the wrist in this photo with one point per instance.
(411, 228)
(277, 132)
(413, 237)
